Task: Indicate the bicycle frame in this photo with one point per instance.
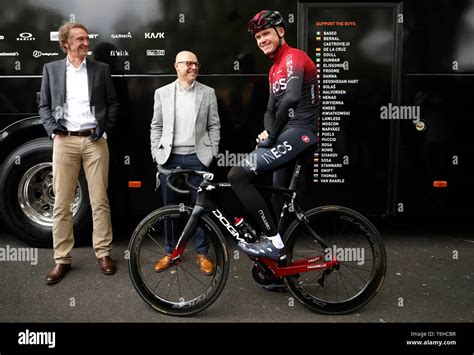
(207, 202)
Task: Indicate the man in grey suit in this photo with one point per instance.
(185, 132)
(78, 108)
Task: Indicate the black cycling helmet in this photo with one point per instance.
(265, 19)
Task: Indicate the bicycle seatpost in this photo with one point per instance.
(296, 174)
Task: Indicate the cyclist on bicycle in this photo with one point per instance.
(290, 125)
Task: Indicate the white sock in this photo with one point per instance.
(276, 241)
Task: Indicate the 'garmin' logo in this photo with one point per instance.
(25, 36)
(154, 35)
(121, 35)
(37, 338)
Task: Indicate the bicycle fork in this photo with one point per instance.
(187, 232)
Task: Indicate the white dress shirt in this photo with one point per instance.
(77, 111)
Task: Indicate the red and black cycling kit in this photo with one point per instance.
(294, 100)
(290, 120)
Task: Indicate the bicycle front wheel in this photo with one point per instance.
(182, 289)
(357, 246)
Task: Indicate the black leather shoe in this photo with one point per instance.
(57, 273)
(107, 265)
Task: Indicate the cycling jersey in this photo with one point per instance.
(293, 85)
(290, 121)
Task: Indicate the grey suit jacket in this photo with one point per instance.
(102, 99)
(207, 125)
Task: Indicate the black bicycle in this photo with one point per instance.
(335, 261)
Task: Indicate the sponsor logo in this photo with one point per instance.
(289, 66)
(119, 53)
(37, 54)
(305, 139)
(37, 338)
(9, 54)
(54, 36)
(208, 176)
(226, 223)
(264, 219)
(155, 52)
(276, 152)
(154, 35)
(25, 36)
(121, 35)
(2, 37)
(279, 85)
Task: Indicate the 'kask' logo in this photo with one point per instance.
(154, 35)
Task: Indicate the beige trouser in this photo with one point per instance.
(68, 154)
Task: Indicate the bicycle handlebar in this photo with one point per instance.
(186, 172)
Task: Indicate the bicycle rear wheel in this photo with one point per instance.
(354, 242)
(182, 289)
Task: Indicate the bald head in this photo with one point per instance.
(185, 56)
(187, 67)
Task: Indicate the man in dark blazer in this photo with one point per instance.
(78, 108)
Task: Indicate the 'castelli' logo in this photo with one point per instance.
(305, 138)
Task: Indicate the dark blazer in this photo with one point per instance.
(102, 98)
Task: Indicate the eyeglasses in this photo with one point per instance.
(189, 64)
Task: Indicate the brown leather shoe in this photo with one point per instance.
(107, 265)
(57, 273)
(207, 267)
(163, 264)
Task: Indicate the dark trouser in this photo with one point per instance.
(290, 144)
(170, 197)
